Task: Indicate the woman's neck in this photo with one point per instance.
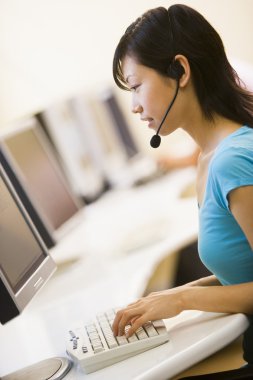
(208, 134)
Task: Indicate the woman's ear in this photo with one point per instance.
(186, 70)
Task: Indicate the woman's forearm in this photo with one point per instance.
(171, 302)
(223, 299)
(205, 281)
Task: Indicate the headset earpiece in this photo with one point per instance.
(175, 70)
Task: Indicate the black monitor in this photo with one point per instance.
(41, 227)
(25, 266)
(27, 149)
(120, 124)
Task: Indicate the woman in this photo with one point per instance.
(175, 58)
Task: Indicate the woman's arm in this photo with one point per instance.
(205, 281)
(241, 206)
(158, 304)
(223, 299)
(169, 303)
(169, 162)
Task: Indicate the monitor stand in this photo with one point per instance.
(53, 368)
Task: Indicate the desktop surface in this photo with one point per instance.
(193, 336)
(102, 279)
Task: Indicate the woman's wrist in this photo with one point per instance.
(184, 299)
(190, 298)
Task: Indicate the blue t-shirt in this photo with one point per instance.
(223, 247)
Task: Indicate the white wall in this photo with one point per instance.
(50, 49)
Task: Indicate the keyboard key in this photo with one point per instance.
(141, 333)
(132, 338)
(158, 323)
(112, 343)
(121, 340)
(93, 335)
(150, 330)
(91, 328)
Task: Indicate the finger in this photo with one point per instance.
(137, 324)
(118, 318)
(116, 322)
(134, 319)
(126, 317)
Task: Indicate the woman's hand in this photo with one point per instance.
(158, 305)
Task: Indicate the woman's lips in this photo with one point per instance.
(150, 123)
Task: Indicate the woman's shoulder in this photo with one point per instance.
(237, 144)
(231, 166)
(234, 154)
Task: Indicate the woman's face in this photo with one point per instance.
(151, 95)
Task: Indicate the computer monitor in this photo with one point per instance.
(138, 168)
(96, 126)
(87, 124)
(30, 155)
(120, 124)
(41, 227)
(82, 171)
(25, 266)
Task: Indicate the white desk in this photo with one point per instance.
(106, 223)
(105, 276)
(36, 336)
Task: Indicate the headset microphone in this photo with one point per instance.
(155, 140)
(175, 71)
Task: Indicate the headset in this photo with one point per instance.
(174, 71)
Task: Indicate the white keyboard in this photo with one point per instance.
(94, 345)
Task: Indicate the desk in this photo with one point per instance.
(229, 358)
(93, 264)
(41, 335)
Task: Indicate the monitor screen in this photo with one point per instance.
(41, 227)
(32, 157)
(24, 262)
(120, 124)
(61, 124)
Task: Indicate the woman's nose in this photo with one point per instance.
(136, 108)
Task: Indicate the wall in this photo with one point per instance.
(50, 49)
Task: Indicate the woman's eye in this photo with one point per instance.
(134, 88)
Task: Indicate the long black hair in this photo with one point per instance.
(156, 37)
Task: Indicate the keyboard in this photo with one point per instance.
(94, 346)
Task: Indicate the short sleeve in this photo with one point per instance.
(231, 168)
